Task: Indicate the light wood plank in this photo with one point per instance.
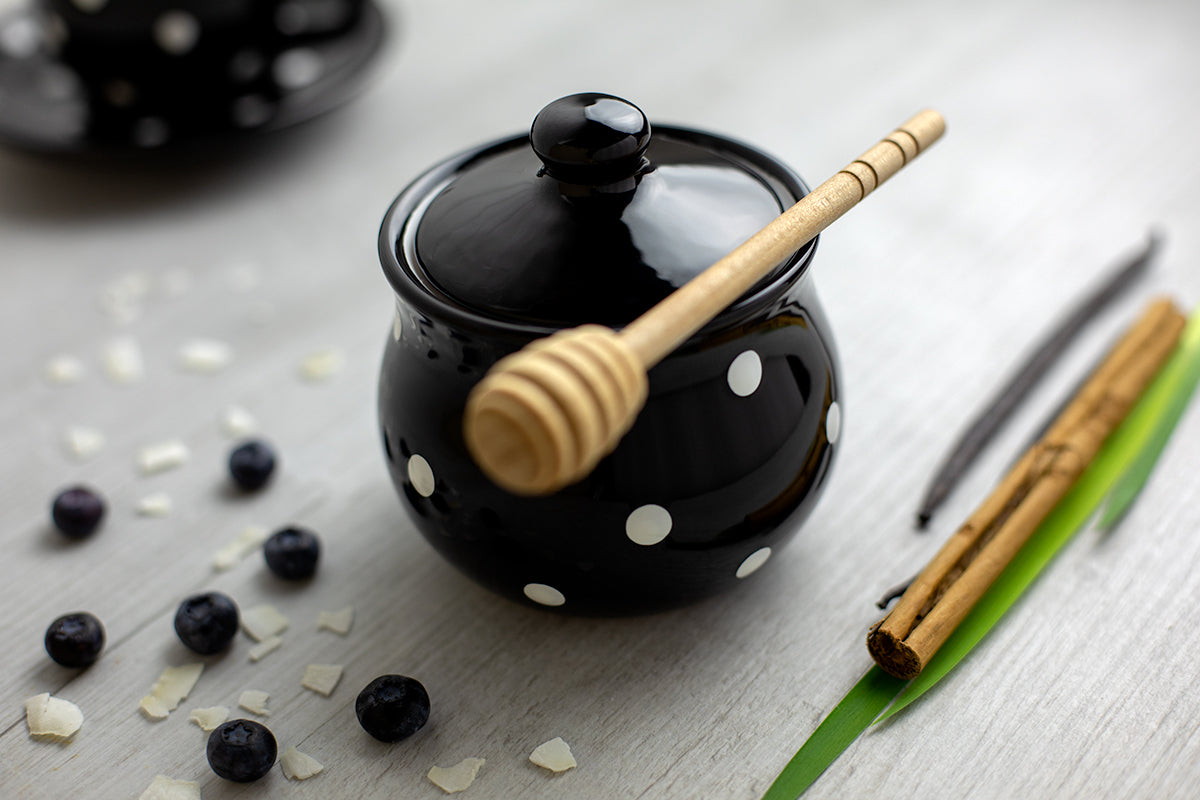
(1070, 132)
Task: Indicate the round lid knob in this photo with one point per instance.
(591, 139)
(588, 218)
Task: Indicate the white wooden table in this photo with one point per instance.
(1072, 130)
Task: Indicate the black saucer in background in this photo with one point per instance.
(66, 89)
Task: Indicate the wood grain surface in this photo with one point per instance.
(1071, 133)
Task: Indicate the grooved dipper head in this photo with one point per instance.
(543, 417)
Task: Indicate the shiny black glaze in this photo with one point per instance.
(509, 240)
(97, 81)
(736, 473)
(591, 139)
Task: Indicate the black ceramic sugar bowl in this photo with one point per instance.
(79, 75)
(591, 219)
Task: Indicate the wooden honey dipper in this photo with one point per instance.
(543, 417)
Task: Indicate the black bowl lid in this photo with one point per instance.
(103, 76)
(591, 218)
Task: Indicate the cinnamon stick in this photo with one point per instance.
(946, 590)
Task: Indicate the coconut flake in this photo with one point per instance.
(457, 778)
(83, 442)
(155, 505)
(255, 701)
(263, 621)
(205, 355)
(64, 369)
(298, 766)
(337, 621)
(162, 456)
(52, 717)
(249, 540)
(153, 708)
(172, 686)
(323, 364)
(264, 648)
(554, 755)
(321, 678)
(164, 788)
(237, 421)
(209, 718)
(123, 360)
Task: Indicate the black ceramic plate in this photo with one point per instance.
(47, 106)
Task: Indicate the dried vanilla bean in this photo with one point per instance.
(1010, 396)
(963, 570)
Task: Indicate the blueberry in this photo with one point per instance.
(292, 553)
(251, 464)
(206, 623)
(392, 707)
(75, 640)
(77, 511)
(241, 750)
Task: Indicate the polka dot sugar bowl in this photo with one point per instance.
(594, 217)
(101, 76)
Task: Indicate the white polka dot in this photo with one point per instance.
(421, 475)
(176, 32)
(20, 38)
(297, 68)
(833, 423)
(745, 373)
(546, 595)
(753, 562)
(648, 524)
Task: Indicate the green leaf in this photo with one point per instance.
(1180, 377)
(853, 715)
(1122, 450)
(1128, 455)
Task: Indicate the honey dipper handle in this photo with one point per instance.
(667, 325)
(544, 416)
